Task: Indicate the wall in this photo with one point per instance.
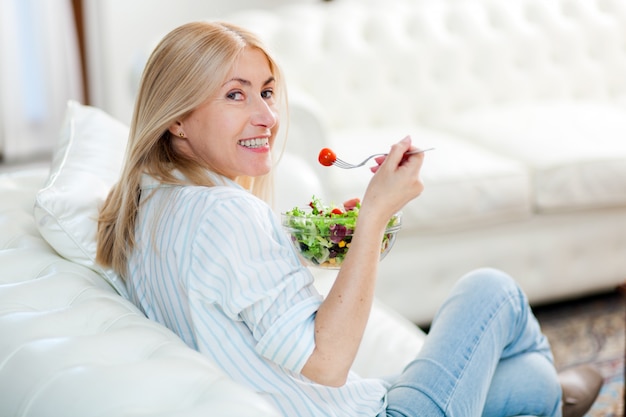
(39, 72)
(119, 33)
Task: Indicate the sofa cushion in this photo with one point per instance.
(576, 151)
(465, 185)
(86, 163)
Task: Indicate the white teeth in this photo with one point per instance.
(254, 143)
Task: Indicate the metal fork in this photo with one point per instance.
(340, 163)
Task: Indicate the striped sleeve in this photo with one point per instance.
(291, 339)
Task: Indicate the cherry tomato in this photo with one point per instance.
(327, 157)
(336, 211)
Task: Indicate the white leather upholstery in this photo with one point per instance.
(575, 151)
(525, 103)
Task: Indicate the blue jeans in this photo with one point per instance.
(485, 355)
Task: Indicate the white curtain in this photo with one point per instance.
(39, 71)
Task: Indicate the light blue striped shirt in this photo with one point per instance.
(214, 265)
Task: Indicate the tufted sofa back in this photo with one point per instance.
(407, 61)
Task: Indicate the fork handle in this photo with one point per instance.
(418, 151)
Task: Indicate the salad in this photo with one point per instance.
(322, 233)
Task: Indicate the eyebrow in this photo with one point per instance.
(247, 82)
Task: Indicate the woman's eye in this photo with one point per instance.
(266, 94)
(235, 95)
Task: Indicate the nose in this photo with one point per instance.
(264, 114)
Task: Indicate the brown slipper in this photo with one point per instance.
(581, 386)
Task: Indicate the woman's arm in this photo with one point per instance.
(341, 319)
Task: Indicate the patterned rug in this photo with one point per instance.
(591, 330)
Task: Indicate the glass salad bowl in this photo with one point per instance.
(322, 237)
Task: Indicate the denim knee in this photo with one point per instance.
(490, 280)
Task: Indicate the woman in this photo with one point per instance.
(203, 254)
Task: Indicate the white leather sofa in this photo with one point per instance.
(525, 103)
(71, 344)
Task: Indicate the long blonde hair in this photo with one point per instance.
(186, 67)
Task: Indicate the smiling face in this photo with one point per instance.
(233, 131)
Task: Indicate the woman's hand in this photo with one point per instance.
(396, 180)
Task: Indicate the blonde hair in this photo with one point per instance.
(186, 67)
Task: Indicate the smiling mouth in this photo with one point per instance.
(254, 143)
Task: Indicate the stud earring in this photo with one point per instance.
(181, 134)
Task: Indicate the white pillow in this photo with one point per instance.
(85, 165)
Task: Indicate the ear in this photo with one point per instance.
(176, 128)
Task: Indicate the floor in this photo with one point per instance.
(591, 330)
